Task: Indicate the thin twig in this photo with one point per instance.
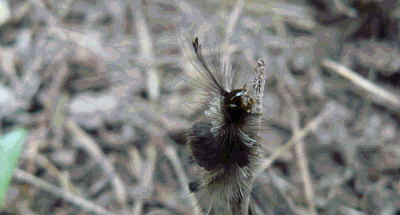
(44, 162)
(67, 195)
(24, 207)
(88, 144)
(329, 111)
(232, 21)
(145, 171)
(147, 54)
(300, 150)
(173, 157)
(378, 92)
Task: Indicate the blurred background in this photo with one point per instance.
(100, 85)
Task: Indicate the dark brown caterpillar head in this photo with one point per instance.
(238, 104)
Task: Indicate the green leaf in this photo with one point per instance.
(11, 145)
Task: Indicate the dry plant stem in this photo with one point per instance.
(259, 84)
(88, 144)
(147, 54)
(363, 83)
(298, 136)
(173, 157)
(137, 208)
(285, 192)
(300, 150)
(24, 207)
(67, 195)
(233, 18)
(55, 108)
(145, 171)
(303, 163)
(43, 161)
(258, 93)
(40, 6)
(340, 7)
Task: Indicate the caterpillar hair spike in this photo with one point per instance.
(224, 142)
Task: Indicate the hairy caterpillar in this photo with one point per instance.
(225, 141)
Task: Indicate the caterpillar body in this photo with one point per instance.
(225, 142)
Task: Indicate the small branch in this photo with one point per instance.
(24, 207)
(329, 111)
(378, 92)
(89, 145)
(173, 157)
(67, 195)
(300, 151)
(340, 7)
(148, 56)
(233, 18)
(44, 162)
(143, 169)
